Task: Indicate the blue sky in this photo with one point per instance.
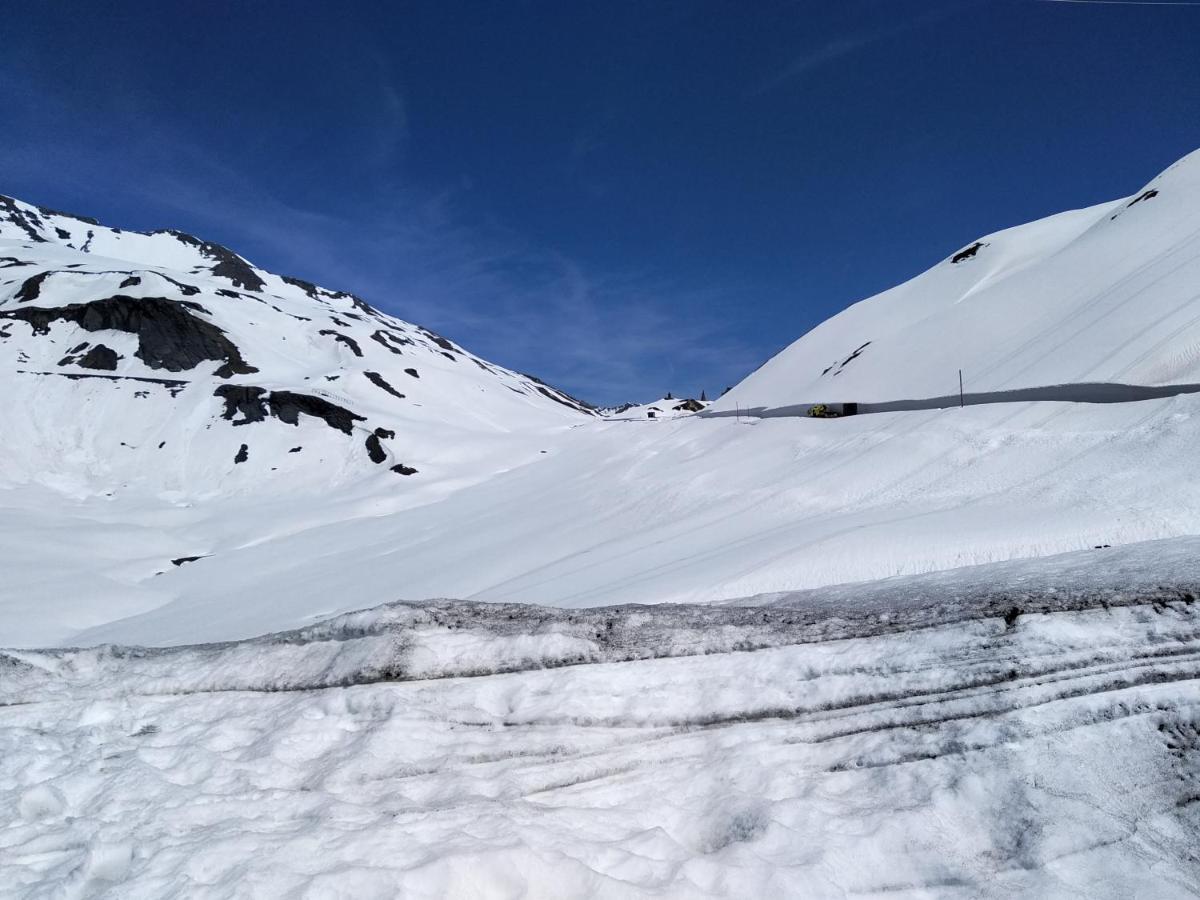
(622, 198)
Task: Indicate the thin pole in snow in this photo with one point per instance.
(961, 402)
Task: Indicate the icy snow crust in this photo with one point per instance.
(930, 737)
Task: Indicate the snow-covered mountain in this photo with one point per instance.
(920, 651)
(1109, 294)
(522, 497)
(166, 360)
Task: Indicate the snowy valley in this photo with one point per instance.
(301, 599)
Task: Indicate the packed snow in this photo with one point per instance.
(1031, 744)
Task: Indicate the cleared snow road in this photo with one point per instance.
(1093, 392)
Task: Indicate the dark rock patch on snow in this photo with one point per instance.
(412, 372)
(389, 340)
(243, 454)
(379, 381)
(26, 221)
(187, 559)
(254, 404)
(242, 399)
(561, 396)
(968, 253)
(402, 469)
(228, 264)
(32, 287)
(169, 336)
(47, 211)
(853, 356)
(100, 357)
(344, 339)
(287, 407)
(439, 340)
(131, 281)
(307, 286)
(375, 449)
(188, 290)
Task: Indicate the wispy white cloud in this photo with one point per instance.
(810, 59)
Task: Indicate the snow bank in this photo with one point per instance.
(1047, 750)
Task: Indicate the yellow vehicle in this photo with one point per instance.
(832, 410)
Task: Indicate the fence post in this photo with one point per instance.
(961, 401)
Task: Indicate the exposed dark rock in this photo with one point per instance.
(379, 381)
(1148, 195)
(187, 559)
(412, 372)
(295, 450)
(26, 221)
(173, 386)
(557, 399)
(228, 264)
(32, 287)
(375, 449)
(243, 454)
(307, 286)
(439, 340)
(225, 292)
(169, 336)
(78, 348)
(131, 281)
(402, 469)
(188, 290)
(853, 356)
(100, 357)
(287, 406)
(47, 211)
(562, 396)
(11, 262)
(968, 253)
(389, 340)
(689, 405)
(243, 399)
(63, 234)
(348, 341)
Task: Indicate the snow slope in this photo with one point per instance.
(132, 360)
(966, 741)
(536, 502)
(1106, 294)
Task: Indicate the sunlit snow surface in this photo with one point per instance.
(805, 726)
(945, 736)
